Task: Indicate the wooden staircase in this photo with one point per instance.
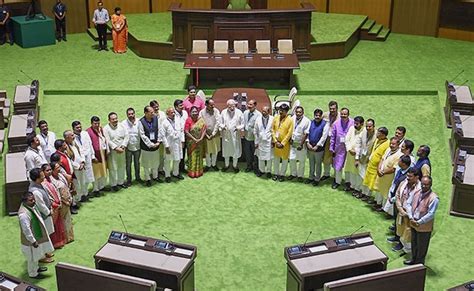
(371, 30)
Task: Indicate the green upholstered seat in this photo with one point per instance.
(239, 5)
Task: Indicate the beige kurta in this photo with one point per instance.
(389, 161)
(213, 145)
(351, 143)
(404, 192)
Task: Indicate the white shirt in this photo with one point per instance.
(133, 134)
(116, 136)
(34, 158)
(47, 143)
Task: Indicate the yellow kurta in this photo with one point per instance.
(389, 161)
(379, 148)
(282, 132)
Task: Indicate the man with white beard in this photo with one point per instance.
(232, 125)
(171, 136)
(263, 142)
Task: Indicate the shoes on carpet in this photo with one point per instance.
(206, 169)
(315, 183)
(124, 186)
(269, 175)
(38, 277)
(281, 178)
(158, 180)
(148, 183)
(393, 239)
(308, 181)
(248, 170)
(42, 269)
(300, 180)
(225, 169)
(334, 185)
(323, 178)
(215, 168)
(291, 177)
(408, 262)
(168, 179)
(259, 174)
(236, 170)
(398, 247)
(179, 177)
(46, 260)
(391, 228)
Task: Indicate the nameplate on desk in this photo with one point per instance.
(248, 57)
(279, 57)
(456, 114)
(461, 169)
(218, 57)
(266, 58)
(317, 249)
(462, 153)
(235, 58)
(203, 58)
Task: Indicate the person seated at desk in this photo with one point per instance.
(238, 5)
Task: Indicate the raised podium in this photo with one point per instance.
(169, 264)
(409, 278)
(311, 265)
(458, 98)
(76, 278)
(462, 134)
(10, 283)
(462, 203)
(33, 33)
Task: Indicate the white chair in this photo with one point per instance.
(285, 46)
(241, 46)
(289, 99)
(263, 46)
(221, 46)
(199, 46)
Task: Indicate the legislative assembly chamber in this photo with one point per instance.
(299, 145)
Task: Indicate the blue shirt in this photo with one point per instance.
(3, 12)
(59, 9)
(101, 16)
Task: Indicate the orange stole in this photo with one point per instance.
(120, 38)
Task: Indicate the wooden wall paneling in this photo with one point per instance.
(283, 4)
(127, 6)
(76, 17)
(378, 10)
(163, 5)
(418, 17)
(321, 5)
(458, 34)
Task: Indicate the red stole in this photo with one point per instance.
(94, 135)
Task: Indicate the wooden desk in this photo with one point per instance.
(329, 260)
(255, 4)
(23, 101)
(462, 203)
(220, 97)
(251, 25)
(458, 98)
(137, 256)
(462, 134)
(463, 287)
(409, 278)
(16, 182)
(19, 128)
(239, 67)
(16, 284)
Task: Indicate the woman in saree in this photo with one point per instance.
(60, 181)
(195, 129)
(58, 237)
(119, 31)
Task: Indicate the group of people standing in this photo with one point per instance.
(379, 170)
(119, 28)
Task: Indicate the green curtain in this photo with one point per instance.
(238, 5)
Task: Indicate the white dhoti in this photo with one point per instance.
(48, 224)
(33, 255)
(116, 164)
(80, 184)
(150, 160)
(297, 156)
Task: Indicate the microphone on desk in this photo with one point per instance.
(350, 237)
(31, 79)
(309, 234)
(459, 74)
(172, 243)
(126, 231)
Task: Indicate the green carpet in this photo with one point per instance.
(151, 26)
(332, 27)
(241, 231)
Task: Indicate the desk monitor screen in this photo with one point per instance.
(343, 242)
(118, 236)
(295, 250)
(163, 245)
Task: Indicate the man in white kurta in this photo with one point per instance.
(35, 241)
(364, 145)
(212, 118)
(298, 151)
(180, 117)
(161, 116)
(83, 141)
(117, 138)
(47, 139)
(352, 177)
(41, 197)
(263, 142)
(171, 136)
(78, 163)
(34, 156)
(232, 125)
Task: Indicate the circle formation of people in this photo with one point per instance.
(377, 169)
